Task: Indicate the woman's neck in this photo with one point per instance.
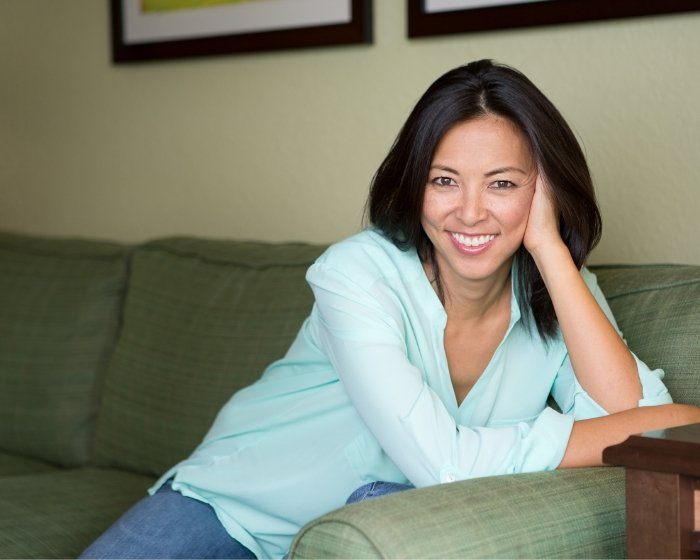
(473, 300)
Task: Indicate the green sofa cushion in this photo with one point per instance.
(60, 302)
(574, 513)
(57, 515)
(12, 465)
(658, 310)
(202, 319)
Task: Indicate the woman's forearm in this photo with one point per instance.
(590, 437)
(603, 364)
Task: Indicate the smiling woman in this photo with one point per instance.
(530, 130)
(478, 205)
(436, 338)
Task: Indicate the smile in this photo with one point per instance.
(472, 241)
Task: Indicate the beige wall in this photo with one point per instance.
(282, 146)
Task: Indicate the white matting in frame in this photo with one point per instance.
(246, 17)
(433, 6)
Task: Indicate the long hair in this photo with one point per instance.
(475, 90)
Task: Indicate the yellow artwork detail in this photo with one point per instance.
(168, 5)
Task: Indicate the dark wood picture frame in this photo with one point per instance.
(358, 30)
(422, 23)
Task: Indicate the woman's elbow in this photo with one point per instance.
(621, 405)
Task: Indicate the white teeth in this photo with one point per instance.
(474, 241)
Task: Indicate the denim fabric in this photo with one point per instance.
(167, 525)
(376, 489)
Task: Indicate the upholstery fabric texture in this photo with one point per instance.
(12, 465)
(575, 513)
(60, 302)
(658, 311)
(57, 515)
(203, 319)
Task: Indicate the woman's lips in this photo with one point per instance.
(471, 244)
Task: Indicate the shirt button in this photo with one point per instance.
(450, 477)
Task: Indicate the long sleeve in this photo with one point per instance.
(362, 331)
(573, 399)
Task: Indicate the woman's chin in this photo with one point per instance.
(482, 270)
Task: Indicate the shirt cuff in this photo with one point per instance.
(545, 444)
(654, 392)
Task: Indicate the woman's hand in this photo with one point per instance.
(542, 228)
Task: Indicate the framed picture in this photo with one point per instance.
(157, 29)
(437, 17)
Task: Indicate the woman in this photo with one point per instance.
(435, 339)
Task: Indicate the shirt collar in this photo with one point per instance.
(514, 302)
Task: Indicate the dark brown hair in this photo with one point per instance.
(477, 89)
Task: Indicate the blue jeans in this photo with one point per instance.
(376, 490)
(167, 525)
(170, 525)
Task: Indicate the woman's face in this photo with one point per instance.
(477, 198)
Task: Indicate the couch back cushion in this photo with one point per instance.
(202, 319)
(59, 311)
(657, 308)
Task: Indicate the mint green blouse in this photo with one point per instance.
(364, 393)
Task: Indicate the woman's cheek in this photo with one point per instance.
(516, 210)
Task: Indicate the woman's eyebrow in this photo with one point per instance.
(445, 168)
(504, 170)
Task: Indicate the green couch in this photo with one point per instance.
(114, 361)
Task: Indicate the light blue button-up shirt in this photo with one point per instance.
(364, 393)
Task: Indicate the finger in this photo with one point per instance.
(541, 183)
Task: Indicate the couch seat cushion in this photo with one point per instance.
(202, 319)
(657, 308)
(11, 465)
(57, 515)
(60, 302)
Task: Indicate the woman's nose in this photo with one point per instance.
(472, 209)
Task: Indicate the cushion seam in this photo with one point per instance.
(228, 261)
(653, 289)
(57, 254)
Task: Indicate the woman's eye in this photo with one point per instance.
(503, 184)
(444, 181)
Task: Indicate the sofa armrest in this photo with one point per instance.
(566, 513)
